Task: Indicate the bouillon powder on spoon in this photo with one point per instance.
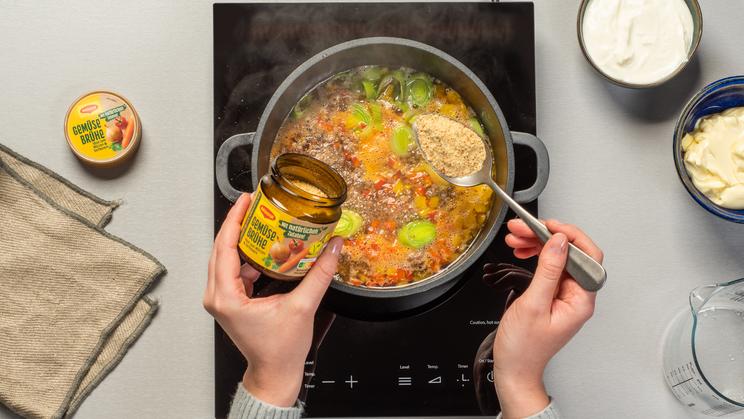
(450, 147)
(464, 158)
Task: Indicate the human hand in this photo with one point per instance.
(273, 333)
(541, 321)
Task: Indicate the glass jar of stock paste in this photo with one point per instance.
(294, 212)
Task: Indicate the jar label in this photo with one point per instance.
(100, 126)
(280, 242)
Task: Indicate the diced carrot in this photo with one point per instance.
(380, 183)
(325, 126)
(390, 225)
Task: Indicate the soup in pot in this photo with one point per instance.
(402, 222)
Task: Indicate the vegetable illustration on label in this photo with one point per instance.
(282, 243)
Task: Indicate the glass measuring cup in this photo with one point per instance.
(703, 356)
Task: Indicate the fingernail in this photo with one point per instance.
(558, 243)
(336, 244)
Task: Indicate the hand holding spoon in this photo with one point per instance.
(587, 272)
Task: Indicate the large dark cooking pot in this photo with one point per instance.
(362, 302)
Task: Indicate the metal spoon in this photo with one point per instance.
(589, 274)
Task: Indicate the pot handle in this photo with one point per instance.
(543, 166)
(220, 164)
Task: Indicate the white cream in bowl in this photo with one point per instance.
(638, 41)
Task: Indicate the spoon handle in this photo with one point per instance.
(587, 272)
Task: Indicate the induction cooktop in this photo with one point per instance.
(435, 362)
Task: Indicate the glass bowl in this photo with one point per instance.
(713, 98)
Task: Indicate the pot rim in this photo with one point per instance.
(472, 254)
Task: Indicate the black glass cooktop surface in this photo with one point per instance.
(435, 362)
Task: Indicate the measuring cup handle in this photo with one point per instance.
(221, 166)
(543, 166)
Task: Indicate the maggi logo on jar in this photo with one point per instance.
(267, 213)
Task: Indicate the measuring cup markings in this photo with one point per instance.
(699, 363)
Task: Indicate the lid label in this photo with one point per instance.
(100, 126)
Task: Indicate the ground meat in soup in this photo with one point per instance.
(413, 223)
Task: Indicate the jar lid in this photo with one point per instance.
(102, 129)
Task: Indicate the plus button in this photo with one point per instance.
(351, 381)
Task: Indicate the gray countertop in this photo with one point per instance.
(612, 173)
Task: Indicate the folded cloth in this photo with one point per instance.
(72, 296)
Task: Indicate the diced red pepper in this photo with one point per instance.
(379, 184)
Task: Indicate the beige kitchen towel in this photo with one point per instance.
(72, 296)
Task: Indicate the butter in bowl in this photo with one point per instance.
(709, 148)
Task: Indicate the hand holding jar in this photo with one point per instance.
(273, 333)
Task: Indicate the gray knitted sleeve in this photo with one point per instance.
(550, 412)
(245, 406)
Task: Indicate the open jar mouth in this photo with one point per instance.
(310, 179)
